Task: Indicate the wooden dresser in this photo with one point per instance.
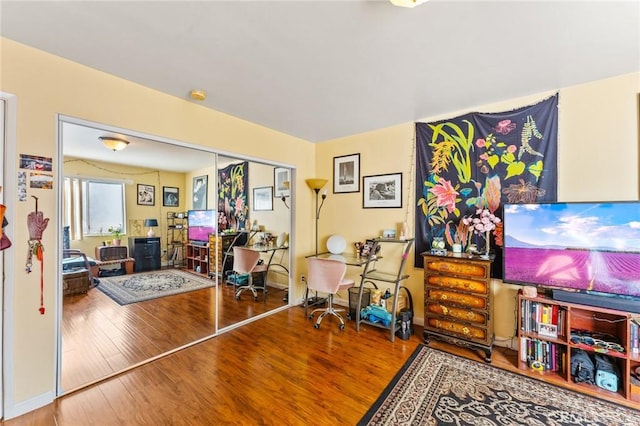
(223, 246)
(457, 300)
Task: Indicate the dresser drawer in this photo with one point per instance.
(457, 283)
(456, 313)
(460, 329)
(465, 269)
(467, 300)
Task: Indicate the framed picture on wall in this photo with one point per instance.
(146, 195)
(282, 182)
(346, 173)
(263, 198)
(170, 196)
(382, 191)
(200, 192)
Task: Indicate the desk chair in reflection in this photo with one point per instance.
(245, 261)
(327, 276)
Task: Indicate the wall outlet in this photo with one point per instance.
(303, 279)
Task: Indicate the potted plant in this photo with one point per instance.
(116, 234)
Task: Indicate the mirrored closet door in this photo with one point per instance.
(168, 282)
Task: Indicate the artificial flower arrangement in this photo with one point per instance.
(483, 223)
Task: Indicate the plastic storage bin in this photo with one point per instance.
(353, 300)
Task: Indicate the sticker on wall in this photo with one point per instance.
(32, 162)
(22, 186)
(40, 180)
(136, 227)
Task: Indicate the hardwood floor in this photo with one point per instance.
(100, 337)
(278, 370)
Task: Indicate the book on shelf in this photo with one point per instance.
(542, 355)
(633, 335)
(544, 319)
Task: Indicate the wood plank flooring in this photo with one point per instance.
(100, 337)
(278, 370)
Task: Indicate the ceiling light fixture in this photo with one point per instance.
(198, 95)
(114, 144)
(407, 3)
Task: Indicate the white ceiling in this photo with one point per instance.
(320, 70)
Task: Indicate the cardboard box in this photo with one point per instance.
(402, 303)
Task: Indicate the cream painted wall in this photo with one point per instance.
(597, 120)
(46, 85)
(598, 160)
(135, 212)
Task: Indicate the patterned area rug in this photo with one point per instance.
(438, 388)
(126, 289)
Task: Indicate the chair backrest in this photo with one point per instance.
(244, 260)
(325, 275)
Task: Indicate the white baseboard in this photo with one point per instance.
(16, 410)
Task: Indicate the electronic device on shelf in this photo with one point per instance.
(585, 252)
(200, 223)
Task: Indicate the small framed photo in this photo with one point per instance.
(282, 182)
(549, 330)
(146, 195)
(200, 192)
(170, 196)
(382, 191)
(346, 173)
(263, 198)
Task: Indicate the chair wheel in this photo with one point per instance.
(310, 316)
(341, 326)
(255, 298)
(316, 326)
(237, 297)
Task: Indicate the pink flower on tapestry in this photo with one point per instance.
(481, 143)
(445, 195)
(239, 204)
(504, 127)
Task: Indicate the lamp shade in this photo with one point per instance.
(150, 222)
(316, 184)
(114, 144)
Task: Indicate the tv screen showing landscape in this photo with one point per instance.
(200, 224)
(580, 246)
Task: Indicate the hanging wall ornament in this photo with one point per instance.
(37, 224)
(5, 242)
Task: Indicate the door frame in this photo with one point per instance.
(8, 143)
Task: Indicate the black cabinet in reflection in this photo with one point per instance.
(146, 252)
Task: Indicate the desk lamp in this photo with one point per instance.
(151, 223)
(317, 184)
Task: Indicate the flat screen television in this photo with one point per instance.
(200, 224)
(589, 247)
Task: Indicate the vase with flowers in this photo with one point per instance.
(482, 223)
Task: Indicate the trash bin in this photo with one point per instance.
(353, 300)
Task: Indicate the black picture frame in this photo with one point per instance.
(280, 176)
(170, 196)
(263, 198)
(146, 195)
(199, 196)
(346, 174)
(382, 191)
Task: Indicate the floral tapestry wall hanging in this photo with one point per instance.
(472, 164)
(233, 209)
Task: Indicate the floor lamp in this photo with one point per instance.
(316, 185)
